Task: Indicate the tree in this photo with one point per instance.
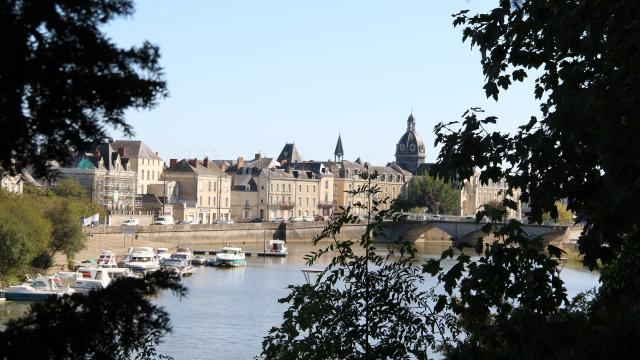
(564, 216)
(433, 193)
(583, 149)
(66, 236)
(69, 188)
(364, 304)
(118, 322)
(62, 80)
(24, 233)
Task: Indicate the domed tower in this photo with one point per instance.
(410, 149)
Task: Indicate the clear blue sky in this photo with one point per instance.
(248, 76)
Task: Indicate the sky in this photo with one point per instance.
(249, 76)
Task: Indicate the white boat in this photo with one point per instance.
(180, 267)
(275, 248)
(114, 273)
(107, 259)
(230, 256)
(41, 288)
(162, 253)
(182, 254)
(198, 260)
(142, 259)
(92, 279)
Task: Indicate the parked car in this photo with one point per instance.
(130, 222)
(184, 222)
(307, 218)
(256, 220)
(223, 221)
(278, 220)
(296, 219)
(163, 220)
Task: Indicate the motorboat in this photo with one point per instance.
(183, 254)
(230, 256)
(92, 279)
(107, 259)
(142, 259)
(198, 260)
(162, 253)
(210, 261)
(180, 267)
(276, 248)
(114, 273)
(41, 288)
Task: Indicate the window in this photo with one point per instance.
(300, 201)
(247, 203)
(271, 187)
(314, 188)
(209, 202)
(209, 185)
(300, 188)
(277, 187)
(215, 186)
(226, 202)
(307, 201)
(314, 201)
(261, 187)
(307, 188)
(200, 200)
(283, 200)
(326, 184)
(289, 187)
(148, 177)
(214, 201)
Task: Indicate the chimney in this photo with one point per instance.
(240, 163)
(206, 161)
(193, 162)
(173, 162)
(224, 166)
(257, 156)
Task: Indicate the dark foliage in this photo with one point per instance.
(62, 80)
(365, 305)
(118, 322)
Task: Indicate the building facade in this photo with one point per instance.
(106, 176)
(474, 195)
(201, 191)
(144, 161)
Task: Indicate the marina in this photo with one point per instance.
(229, 310)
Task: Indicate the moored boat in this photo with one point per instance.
(276, 248)
(107, 259)
(41, 288)
(198, 260)
(230, 256)
(142, 259)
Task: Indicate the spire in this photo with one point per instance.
(338, 153)
(411, 122)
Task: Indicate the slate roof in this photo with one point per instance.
(184, 165)
(339, 151)
(289, 154)
(135, 148)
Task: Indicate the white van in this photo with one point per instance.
(163, 220)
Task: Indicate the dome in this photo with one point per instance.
(410, 143)
(410, 151)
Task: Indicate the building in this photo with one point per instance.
(391, 182)
(144, 161)
(13, 184)
(410, 150)
(200, 193)
(265, 188)
(106, 176)
(474, 195)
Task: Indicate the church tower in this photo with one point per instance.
(338, 154)
(410, 152)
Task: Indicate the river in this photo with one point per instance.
(228, 311)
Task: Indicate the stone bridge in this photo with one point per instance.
(464, 232)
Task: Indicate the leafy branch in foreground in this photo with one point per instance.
(366, 304)
(118, 322)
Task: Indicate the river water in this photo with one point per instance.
(228, 311)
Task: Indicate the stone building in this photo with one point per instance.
(144, 161)
(201, 191)
(474, 194)
(410, 150)
(13, 184)
(391, 181)
(106, 176)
